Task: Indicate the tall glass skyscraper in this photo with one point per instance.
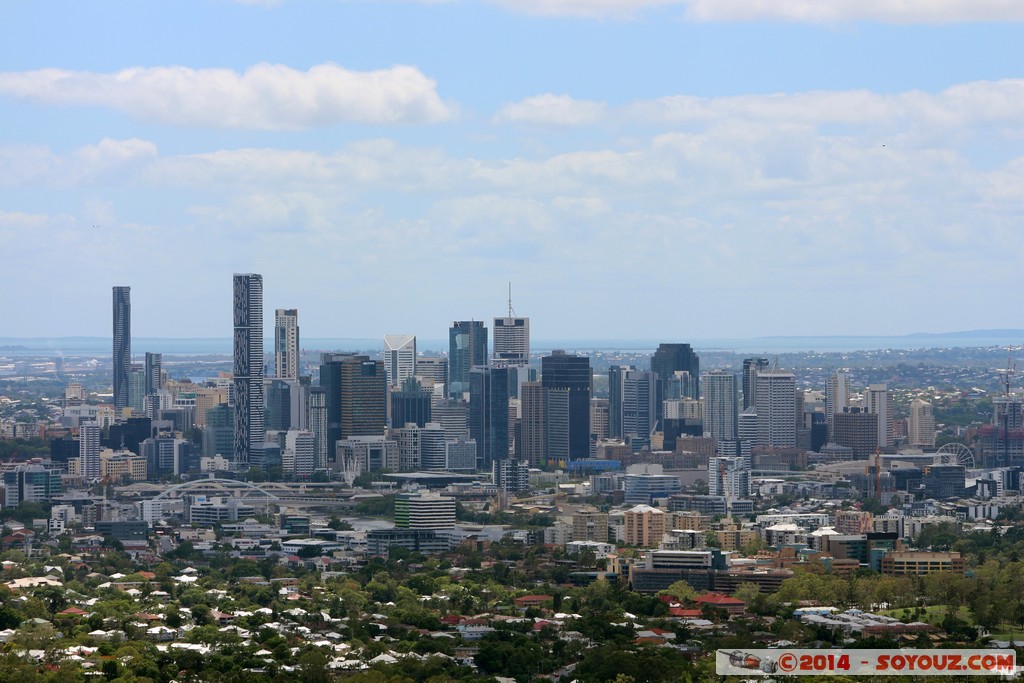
(568, 373)
(122, 345)
(467, 348)
(248, 370)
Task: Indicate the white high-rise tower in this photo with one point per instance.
(878, 400)
(399, 357)
(776, 409)
(286, 343)
(511, 339)
(720, 405)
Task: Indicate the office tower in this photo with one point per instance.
(358, 454)
(89, 450)
(878, 401)
(599, 418)
(467, 348)
(837, 395)
(669, 359)
(424, 511)
(511, 341)
(556, 427)
(316, 418)
(433, 455)
(218, 436)
(776, 409)
(857, 430)
(751, 366)
(122, 358)
(728, 477)
(615, 375)
(278, 415)
(639, 413)
(30, 484)
(248, 370)
(453, 416)
(461, 455)
(410, 405)
(432, 370)
(531, 444)
(488, 413)
(921, 424)
(154, 372)
(571, 374)
(720, 409)
(286, 343)
(399, 358)
(944, 481)
(356, 396)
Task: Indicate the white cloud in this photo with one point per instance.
(838, 11)
(549, 109)
(266, 96)
(796, 11)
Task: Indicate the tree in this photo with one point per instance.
(680, 590)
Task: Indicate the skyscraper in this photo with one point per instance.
(668, 359)
(751, 366)
(154, 373)
(248, 370)
(837, 395)
(511, 342)
(89, 449)
(531, 446)
(488, 413)
(639, 413)
(615, 375)
(122, 358)
(570, 373)
(720, 409)
(399, 358)
(921, 423)
(356, 396)
(286, 343)
(467, 348)
(878, 400)
(776, 409)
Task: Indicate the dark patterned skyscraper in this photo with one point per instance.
(248, 370)
(122, 345)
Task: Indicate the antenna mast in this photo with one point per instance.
(511, 313)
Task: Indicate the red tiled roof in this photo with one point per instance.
(717, 599)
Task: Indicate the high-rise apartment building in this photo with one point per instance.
(921, 423)
(467, 348)
(286, 343)
(248, 370)
(837, 395)
(399, 358)
(728, 477)
(776, 409)
(122, 358)
(878, 401)
(720, 408)
(570, 373)
(316, 418)
(751, 366)
(89, 449)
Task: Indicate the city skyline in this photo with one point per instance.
(796, 154)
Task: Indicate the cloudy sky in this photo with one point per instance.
(678, 169)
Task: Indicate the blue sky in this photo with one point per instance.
(661, 168)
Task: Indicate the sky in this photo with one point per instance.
(677, 169)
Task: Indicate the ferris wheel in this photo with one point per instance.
(955, 454)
